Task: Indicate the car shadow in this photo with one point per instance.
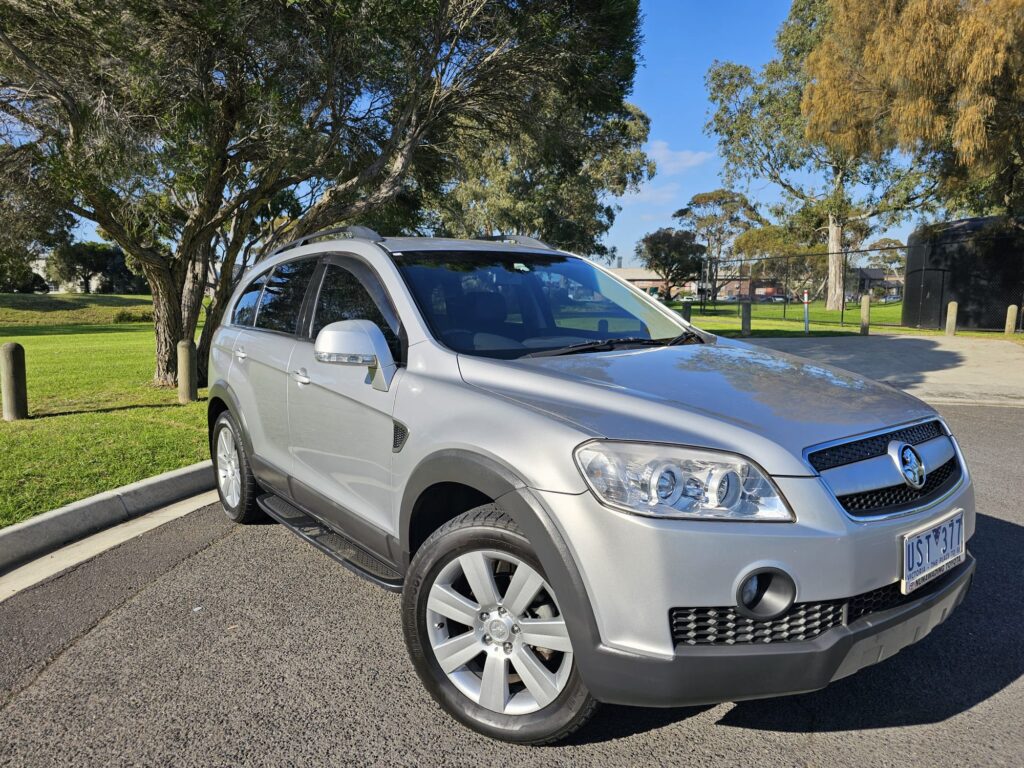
(901, 361)
(974, 655)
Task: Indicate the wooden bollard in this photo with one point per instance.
(865, 314)
(13, 387)
(951, 318)
(188, 376)
(1011, 320)
(745, 318)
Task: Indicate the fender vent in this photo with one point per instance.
(401, 434)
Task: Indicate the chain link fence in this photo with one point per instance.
(985, 278)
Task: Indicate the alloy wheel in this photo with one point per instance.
(496, 632)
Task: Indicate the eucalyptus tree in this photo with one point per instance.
(177, 125)
(717, 218)
(763, 134)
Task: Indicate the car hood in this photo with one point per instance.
(724, 394)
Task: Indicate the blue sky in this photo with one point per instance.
(682, 38)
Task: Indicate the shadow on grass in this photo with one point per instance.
(66, 302)
(111, 409)
(7, 331)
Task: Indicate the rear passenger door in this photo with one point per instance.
(267, 315)
(341, 427)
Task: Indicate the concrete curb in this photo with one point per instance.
(44, 533)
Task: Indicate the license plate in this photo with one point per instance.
(930, 552)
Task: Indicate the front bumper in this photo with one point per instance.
(713, 674)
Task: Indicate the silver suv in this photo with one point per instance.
(580, 496)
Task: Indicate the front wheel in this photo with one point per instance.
(486, 635)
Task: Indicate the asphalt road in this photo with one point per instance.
(204, 644)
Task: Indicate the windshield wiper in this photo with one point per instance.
(606, 345)
(686, 337)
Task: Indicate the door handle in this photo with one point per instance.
(301, 377)
(240, 354)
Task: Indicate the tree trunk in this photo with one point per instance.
(166, 324)
(836, 277)
(214, 314)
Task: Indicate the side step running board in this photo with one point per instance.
(331, 543)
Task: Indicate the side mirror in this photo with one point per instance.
(357, 342)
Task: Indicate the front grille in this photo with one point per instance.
(870, 447)
(804, 621)
(899, 498)
(723, 626)
(881, 599)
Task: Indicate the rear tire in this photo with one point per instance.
(508, 667)
(236, 484)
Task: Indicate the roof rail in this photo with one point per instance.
(532, 242)
(352, 231)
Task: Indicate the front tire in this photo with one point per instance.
(485, 634)
(236, 484)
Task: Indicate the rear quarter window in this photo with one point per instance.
(245, 308)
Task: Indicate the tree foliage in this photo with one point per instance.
(79, 263)
(762, 133)
(178, 125)
(557, 186)
(672, 254)
(717, 218)
(940, 77)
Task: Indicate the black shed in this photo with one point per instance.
(978, 263)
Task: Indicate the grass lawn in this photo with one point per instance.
(71, 308)
(97, 420)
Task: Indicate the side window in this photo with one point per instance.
(282, 298)
(344, 297)
(245, 309)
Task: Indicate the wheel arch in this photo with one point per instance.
(222, 398)
(475, 477)
(503, 487)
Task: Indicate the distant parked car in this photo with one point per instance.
(689, 299)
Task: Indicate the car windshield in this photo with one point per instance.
(508, 304)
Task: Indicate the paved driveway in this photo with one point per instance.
(204, 644)
(938, 369)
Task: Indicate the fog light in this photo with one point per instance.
(766, 593)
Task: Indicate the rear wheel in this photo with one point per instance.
(486, 635)
(236, 484)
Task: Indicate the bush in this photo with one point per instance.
(130, 316)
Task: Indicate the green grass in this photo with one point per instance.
(97, 421)
(50, 309)
(881, 314)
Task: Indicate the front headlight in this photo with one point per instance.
(675, 482)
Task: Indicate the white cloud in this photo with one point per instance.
(672, 161)
(653, 193)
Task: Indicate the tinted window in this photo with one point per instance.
(344, 297)
(282, 297)
(245, 309)
(506, 304)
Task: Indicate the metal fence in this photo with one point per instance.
(775, 287)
